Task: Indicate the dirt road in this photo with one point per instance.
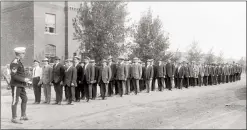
(221, 106)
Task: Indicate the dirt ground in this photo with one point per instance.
(222, 106)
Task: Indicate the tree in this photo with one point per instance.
(194, 52)
(220, 58)
(176, 56)
(100, 27)
(210, 57)
(149, 37)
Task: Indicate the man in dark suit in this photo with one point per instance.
(175, 75)
(86, 78)
(206, 74)
(57, 80)
(149, 75)
(181, 72)
(112, 83)
(104, 79)
(191, 72)
(211, 74)
(154, 75)
(161, 73)
(79, 87)
(121, 75)
(136, 72)
(201, 74)
(96, 76)
(82, 90)
(128, 77)
(142, 81)
(186, 75)
(69, 80)
(170, 69)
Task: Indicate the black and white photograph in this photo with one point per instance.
(123, 64)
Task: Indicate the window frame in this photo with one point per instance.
(55, 24)
(50, 52)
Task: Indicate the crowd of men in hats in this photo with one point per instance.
(79, 78)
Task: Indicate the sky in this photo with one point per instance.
(221, 25)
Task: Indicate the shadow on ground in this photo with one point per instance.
(241, 93)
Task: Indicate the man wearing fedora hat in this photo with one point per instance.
(86, 77)
(104, 79)
(113, 83)
(46, 80)
(79, 70)
(57, 80)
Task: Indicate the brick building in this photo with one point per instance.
(44, 28)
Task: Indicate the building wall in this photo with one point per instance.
(17, 30)
(73, 45)
(40, 37)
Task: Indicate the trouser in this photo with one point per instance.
(94, 90)
(230, 77)
(90, 90)
(116, 87)
(78, 90)
(132, 84)
(65, 92)
(82, 91)
(73, 92)
(160, 83)
(69, 93)
(120, 87)
(180, 80)
(153, 84)
(142, 84)
(127, 86)
(234, 77)
(37, 89)
(222, 79)
(219, 79)
(148, 85)
(59, 92)
(103, 89)
(227, 78)
(200, 80)
(136, 86)
(192, 80)
(169, 83)
(186, 82)
(16, 93)
(47, 92)
(205, 80)
(111, 87)
(195, 81)
(86, 90)
(211, 80)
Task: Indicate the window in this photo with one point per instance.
(50, 52)
(50, 23)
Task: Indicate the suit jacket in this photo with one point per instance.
(211, 71)
(79, 71)
(70, 76)
(143, 72)
(196, 71)
(180, 72)
(129, 67)
(97, 73)
(201, 71)
(170, 69)
(46, 77)
(191, 71)
(206, 71)
(86, 77)
(121, 73)
(104, 74)
(186, 72)
(155, 71)
(113, 71)
(58, 73)
(149, 72)
(136, 71)
(161, 70)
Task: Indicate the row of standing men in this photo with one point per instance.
(80, 78)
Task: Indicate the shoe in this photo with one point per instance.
(59, 103)
(70, 103)
(44, 102)
(24, 118)
(48, 103)
(55, 103)
(15, 121)
(37, 102)
(87, 100)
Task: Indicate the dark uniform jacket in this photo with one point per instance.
(70, 76)
(186, 72)
(17, 73)
(79, 71)
(113, 71)
(57, 73)
(88, 74)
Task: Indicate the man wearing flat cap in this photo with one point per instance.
(46, 80)
(104, 79)
(79, 87)
(57, 79)
(18, 84)
(121, 75)
(37, 73)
